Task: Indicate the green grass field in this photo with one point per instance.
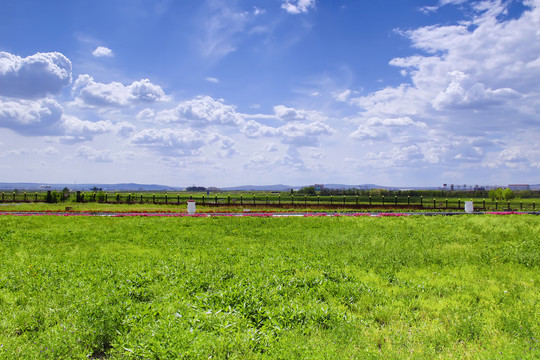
(270, 288)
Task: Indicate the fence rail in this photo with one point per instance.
(273, 200)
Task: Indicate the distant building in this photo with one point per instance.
(519, 187)
(318, 187)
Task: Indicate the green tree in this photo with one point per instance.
(507, 194)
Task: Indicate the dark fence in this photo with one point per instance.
(269, 200)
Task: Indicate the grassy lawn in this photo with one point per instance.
(270, 288)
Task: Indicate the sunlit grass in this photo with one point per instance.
(431, 287)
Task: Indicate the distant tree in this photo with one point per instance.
(501, 194)
(507, 194)
(307, 190)
(195, 188)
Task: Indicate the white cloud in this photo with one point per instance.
(31, 118)
(297, 6)
(34, 76)
(146, 115)
(441, 3)
(102, 51)
(378, 129)
(403, 156)
(473, 80)
(94, 94)
(170, 142)
(294, 133)
(77, 130)
(223, 27)
(254, 129)
(91, 154)
(343, 96)
(212, 80)
(201, 111)
(291, 114)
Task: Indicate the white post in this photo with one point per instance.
(191, 207)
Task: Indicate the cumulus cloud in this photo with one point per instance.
(376, 128)
(298, 6)
(32, 118)
(102, 51)
(461, 93)
(476, 79)
(201, 111)
(34, 76)
(94, 94)
(292, 114)
(77, 130)
(297, 133)
(171, 142)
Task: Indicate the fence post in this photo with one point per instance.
(343, 199)
(459, 203)
(228, 199)
(253, 199)
(241, 200)
(318, 199)
(496, 203)
(447, 203)
(178, 199)
(141, 199)
(36, 197)
(292, 199)
(14, 195)
(408, 200)
(421, 200)
(533, 205)
(279, 199)
(331, 198)
(509, 205)
(369, 199)
(25, 196)
(484, 203)
(396, 200)
(434, 203)
(3, 196)
(305, 199)
(203, 199)
(266, 199)
(106, 197)
(82, 197)
(521, 205)
(383, 199)
(356, 199)
(166, 199)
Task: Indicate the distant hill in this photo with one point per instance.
(87, 187)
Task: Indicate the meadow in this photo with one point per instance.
(413, 287)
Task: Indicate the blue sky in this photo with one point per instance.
(221, 93)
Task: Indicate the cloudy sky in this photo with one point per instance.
(232, 92)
